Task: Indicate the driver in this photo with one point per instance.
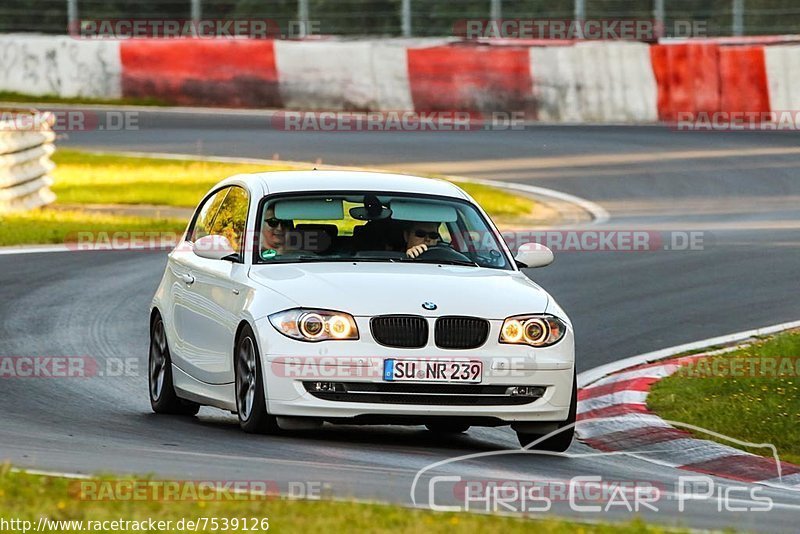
(419, 236)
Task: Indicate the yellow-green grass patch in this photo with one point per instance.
(47, 226)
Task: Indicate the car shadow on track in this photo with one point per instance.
(393, 436)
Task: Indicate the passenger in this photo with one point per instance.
(274, 235)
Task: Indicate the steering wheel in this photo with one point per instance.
(493, 257)
(443, 253)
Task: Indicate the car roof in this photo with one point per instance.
(345, 180)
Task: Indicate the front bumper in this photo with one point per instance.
(288, 364)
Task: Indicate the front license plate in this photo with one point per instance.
(468, 371)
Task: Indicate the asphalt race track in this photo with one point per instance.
(740, 189)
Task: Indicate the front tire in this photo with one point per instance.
(251, 405)
(163, 398)
(561, 441)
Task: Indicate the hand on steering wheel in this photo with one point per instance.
(415, 251)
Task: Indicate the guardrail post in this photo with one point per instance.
(405, 18)
(302, 17)
(496, 10)
(658, 18)
(579, 16)
(738, 18)
(72, 14)
(196, 11)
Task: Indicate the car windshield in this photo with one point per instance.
(376, 227)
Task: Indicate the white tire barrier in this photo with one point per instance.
(25, 165)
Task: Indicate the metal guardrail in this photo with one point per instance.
(25, 165)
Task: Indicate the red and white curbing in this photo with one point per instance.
(613, 417)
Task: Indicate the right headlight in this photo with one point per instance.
(536, 330)
(314, 325)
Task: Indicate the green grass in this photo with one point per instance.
(46, 226)
(11, 96)
(28, 497)
(757, 409)
(85, 178)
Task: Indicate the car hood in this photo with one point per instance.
(366, 289)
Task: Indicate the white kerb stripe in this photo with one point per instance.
(599, 427)
(657, 371)
(612, 399)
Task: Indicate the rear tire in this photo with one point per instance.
(163, 398)
(447, 428)
(251, 406)
(561, 441)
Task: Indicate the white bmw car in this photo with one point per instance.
(303, 297)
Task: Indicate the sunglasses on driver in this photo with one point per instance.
(273, 222)
(429, 235)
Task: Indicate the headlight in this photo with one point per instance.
(533, 330)
(314, 325)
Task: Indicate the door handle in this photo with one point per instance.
(187, 278)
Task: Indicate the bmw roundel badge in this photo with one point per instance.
(429, 305)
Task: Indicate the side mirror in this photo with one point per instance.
(534, 255)
(215, 247)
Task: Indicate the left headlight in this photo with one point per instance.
(533, 330)
(314, 325)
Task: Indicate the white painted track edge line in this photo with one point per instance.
(33, 249)
(58, 474)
